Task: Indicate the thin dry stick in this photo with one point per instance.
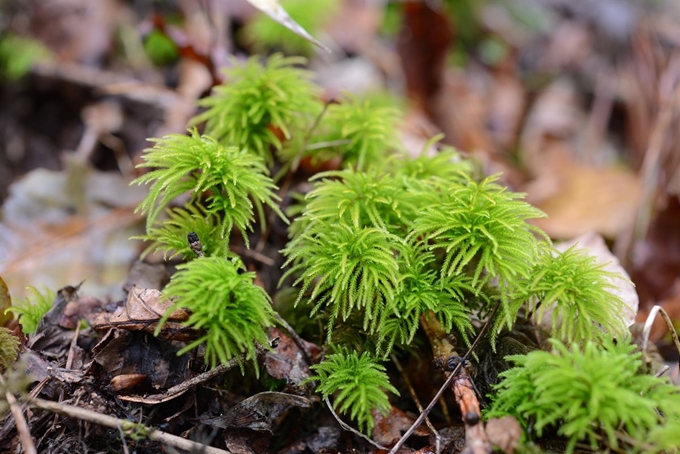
(122, 438)
(346, 426)
(476, 440)
(447, 383)
(647, 330)
(109, 421)
(183, 387)
(22, 426)
(415, 398)
(663, 370)
(669, 97)
(9, 424)
(303, 148)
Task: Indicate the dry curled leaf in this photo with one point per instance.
(142, 311)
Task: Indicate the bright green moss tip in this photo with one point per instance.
(32, 309)
(593, 394)
(261, 105)
(362, 384)
(226, 306)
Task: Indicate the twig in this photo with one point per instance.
(663, 370)
(415, 398)
(122, 438)
(109, 421)
(650, 321)
(668, 96)
(260, 257)
(476, 440)
(183, 387)
(346, 426)
(10, 423)
(308, 135)
(20, 421)
(447, 383)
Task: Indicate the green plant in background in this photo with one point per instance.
(17, 55)
(225, 304)
(587, 394)
(31, 310)
(574, 287)
(262, 33)
(160, 49)
(261, 105)
(235, 180)
(361, 383)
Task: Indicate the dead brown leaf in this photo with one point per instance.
(579, 199)
(259, 412)
(142, 311)
(287, 361)
(139, 358)
(505, 433)
(389, 428)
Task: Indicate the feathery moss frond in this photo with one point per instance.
(445, 166)
(361, 199)
(233, 311)
(576, 289)
(31, 310)
(361, 383)
(370, 130)
(236, 180)
(423, 291)
(170, 235)
(482, 226)
(347, 268)
(585, 394)
(257, 100)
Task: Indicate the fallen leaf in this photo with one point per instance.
(504, 432)
(583, 199)
(258, 412)
(142, 311)
(128, 353)
(286, 360)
